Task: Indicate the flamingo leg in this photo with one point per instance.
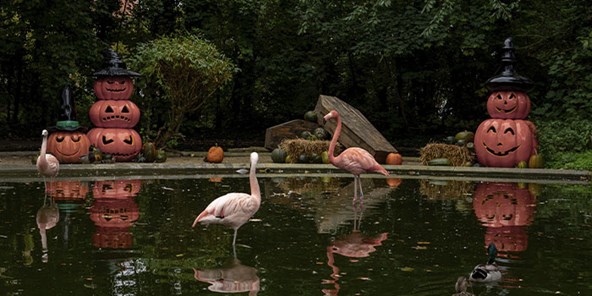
(355, 200)
(361, 195)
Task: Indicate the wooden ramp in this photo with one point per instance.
(287, 130)
(356, 130)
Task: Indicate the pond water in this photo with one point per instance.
(411, 237)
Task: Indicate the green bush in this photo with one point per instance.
(566, 143)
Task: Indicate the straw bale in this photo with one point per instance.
(441, 190)
(457, 155)
(295, 147)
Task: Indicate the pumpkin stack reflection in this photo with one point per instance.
(114, 212)
(114, 114)
(507, 138)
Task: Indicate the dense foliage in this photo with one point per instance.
(415, 68)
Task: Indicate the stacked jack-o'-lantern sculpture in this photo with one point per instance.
(67, 140)
(507, 139)
(114, 115)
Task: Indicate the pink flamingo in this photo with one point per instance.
(47, 165)
(234, 209)
(354, 159)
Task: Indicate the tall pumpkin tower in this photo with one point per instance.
(114, 114)
(507, 138)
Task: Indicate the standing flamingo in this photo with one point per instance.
(234, 209)
(47, 164)
(354, 159)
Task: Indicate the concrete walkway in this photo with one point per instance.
(18, 167)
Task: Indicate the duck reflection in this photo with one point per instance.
(354, 246)
(47, 217)
(232, 277)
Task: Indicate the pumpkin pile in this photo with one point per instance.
(309, 146)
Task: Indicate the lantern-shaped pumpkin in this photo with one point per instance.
(114, 81)
(116, 189)
(114, 113)
(68, 146)
(503, 204)
(67, 140)
(113, 88)
(508, 104)
(504, 142)
(122, 143)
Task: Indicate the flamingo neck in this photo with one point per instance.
(43, 152)
(255, 191)
(336, 135)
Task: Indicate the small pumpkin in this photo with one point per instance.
(161, 155)
(149, 151)
(536, 161)
(215, 154)
(310, 116)
(320, 133)
(393, 182)
(278, 155)
(465, 136)
(394, 159)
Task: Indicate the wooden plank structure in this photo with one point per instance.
(356, 130)
(288, 130)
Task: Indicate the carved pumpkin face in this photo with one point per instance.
(122, 143)
(116, 188)
(68, 146)
(113, 88)
(503, 204)
(67, 190)
(508, 105)
(114, 113)
(504, 142)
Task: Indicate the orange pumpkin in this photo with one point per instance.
(114, 113)
(394, 159)
(113, 88)
(503, 204)
(215, 154)
(508, 105)
(123, 143)
(68, 146)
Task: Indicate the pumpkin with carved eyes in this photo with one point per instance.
(114, 113)
(68, 146)
(124, 144)
(113, 87)
(508, 105)
(505, 142)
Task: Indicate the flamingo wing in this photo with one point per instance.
(358, 161)
(50, 167)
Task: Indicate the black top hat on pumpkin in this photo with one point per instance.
(114, 66)
(67, 119)
(508, 79)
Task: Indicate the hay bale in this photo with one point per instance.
(457, 155)
(296, 147)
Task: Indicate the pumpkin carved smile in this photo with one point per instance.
(500, 153)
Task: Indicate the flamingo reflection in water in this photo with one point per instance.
(47, 217)
(233, 277)
(354, 246)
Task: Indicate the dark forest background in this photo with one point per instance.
(416, 69)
